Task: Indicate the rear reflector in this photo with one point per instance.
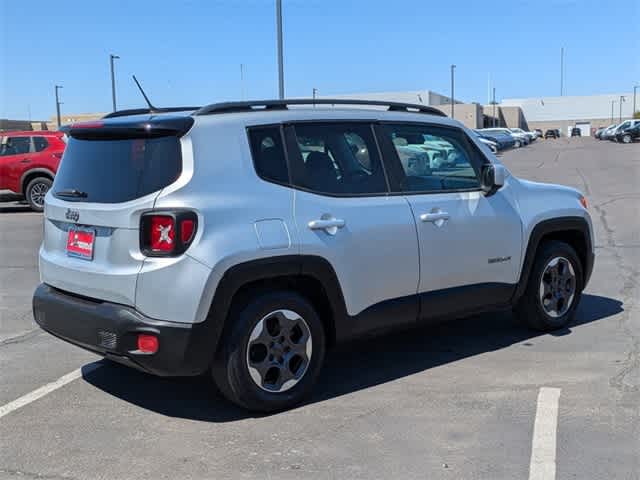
(148, 343)
(186, 230)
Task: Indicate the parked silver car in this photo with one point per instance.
(245, 239)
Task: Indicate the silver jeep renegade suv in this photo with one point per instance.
(244, 239)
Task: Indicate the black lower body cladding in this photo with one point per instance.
(111, 330)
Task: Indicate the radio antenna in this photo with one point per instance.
(152, 109)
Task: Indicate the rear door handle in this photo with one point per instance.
(434, 217)
(329, 225)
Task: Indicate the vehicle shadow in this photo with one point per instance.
(12, 203)
(387, 358)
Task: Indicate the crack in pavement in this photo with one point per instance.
(23, 474)
(632, 362)
(20, 338)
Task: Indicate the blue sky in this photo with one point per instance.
(189, 52)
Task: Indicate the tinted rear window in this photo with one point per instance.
(114, 171)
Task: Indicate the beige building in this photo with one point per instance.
(67, 118)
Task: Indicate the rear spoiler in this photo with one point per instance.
(122, 128)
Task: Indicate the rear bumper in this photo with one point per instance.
(111, 330)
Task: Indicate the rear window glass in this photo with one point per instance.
(114, 171)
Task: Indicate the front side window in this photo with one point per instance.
(268, 154)
(434, 159)
(337, 159)
(15, 146)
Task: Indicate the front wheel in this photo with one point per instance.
(36, 191)
(553, 289)
(626, 139)
(272, 352)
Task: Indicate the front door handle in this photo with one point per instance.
(329, 225)
(434, 217)
(25, 160)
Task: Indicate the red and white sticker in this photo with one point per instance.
(80, 243)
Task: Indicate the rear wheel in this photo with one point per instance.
(272, 352)
(36, 191)
(554, 288)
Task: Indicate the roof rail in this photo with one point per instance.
(141, 111)
(230, 107)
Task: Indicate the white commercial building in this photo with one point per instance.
(585, 112)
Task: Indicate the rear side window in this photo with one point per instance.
(40, 143)
(337, 159)
(114, 171)
(268, 154)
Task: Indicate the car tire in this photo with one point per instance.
(553, 289)
(517, 144)
(626, 139)
(36, 191)
(279, 333)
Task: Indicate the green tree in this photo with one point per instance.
(636, 115)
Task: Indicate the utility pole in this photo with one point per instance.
(58, 87)
(622, 99)
(280, 62)
(452, 91)
(561, 71)
(634, 100)
(493, 102)
(313, 93)
(612, 103)
(113, 57)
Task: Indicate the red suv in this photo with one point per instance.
(28, 163)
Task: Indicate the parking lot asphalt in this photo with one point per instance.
(456, 401)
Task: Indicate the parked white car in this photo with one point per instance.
(528, 135)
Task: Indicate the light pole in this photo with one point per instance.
(493, 102)
(452, 91)
(242, 82)
(280, 62)
(634, 100)
(561, 71)
(313, 93)
(58, 87)
(622, 99)
(113, 57)
(612, 103)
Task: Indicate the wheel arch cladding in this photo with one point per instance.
(311, 276)
(571, 230)
(34, 173)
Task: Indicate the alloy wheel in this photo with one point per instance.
(557, 287)
(279, 351)
(38, 192)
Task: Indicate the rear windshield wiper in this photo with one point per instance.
(72, 192)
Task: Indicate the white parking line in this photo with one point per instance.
(543, 446)
(44, 390)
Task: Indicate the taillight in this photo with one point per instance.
(167, 233)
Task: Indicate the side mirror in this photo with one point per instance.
(493, 176)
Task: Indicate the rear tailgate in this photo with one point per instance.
(109, 175)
